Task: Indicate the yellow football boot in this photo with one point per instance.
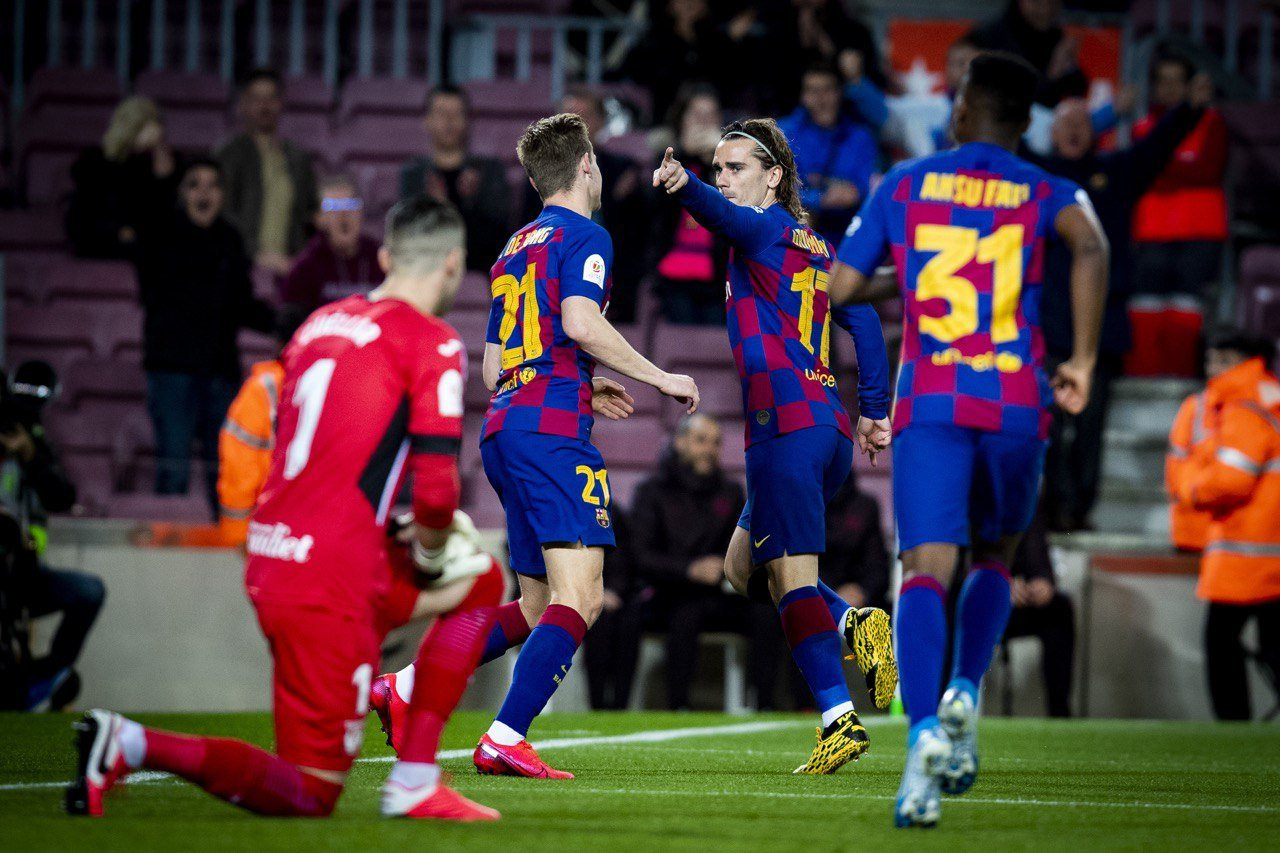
(869, 635)
(843, 741)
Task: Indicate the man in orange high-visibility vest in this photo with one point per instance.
(1238, 481)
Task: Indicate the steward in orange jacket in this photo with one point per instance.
(244, 449)
(1188, 443)
(1238, 482)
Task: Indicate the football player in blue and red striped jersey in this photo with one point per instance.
(799, 437)
(547, 331)
(967, 230)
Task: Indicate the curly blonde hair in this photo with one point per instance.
(130, 116)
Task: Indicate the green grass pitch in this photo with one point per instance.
(1044, 784)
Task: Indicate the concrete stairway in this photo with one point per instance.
(1132, 497)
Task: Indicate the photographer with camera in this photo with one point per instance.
(32, 484)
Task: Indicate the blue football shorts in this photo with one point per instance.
(553, 489)
(790, 478)
(950, 480)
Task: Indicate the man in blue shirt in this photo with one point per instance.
(834, 153)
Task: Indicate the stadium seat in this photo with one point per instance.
(196, 106)
(104, 379)
(48, 176)
(381, 138)
(308, 94)
(26, 230)
(474, 294)
(50, 278)
(623, 482)
(382, 96)
(496, 137)
(471, 327)
(1258, 297)
(379, 183)
(635, 442)
(71, 84)
(526, 100)
(187, 90)
(690, 347)
(720, 392)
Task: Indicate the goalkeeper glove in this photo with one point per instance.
(458, 559)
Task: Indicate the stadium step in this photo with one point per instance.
(1132, 498)
(1147, 406)
(1132, 457)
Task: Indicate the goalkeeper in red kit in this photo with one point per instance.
(373, 389)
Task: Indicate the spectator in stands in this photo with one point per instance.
(1237, 481)
(130, 178)
(193, 274)
(338, 262)
(691, 262)
(33, 484)
(1179, 228)
(684, 43)
(834, 153)
(682, 519)
(856, 562)
(612, 645)
(624, 207)
(474, 184)
(1033, 30)
(270, 183)
(1114, 181)
(802, 32)
(1043, 611)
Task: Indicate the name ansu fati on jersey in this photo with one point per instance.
(969, 191)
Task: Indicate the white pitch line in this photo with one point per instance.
(997, 801)
(140, 777)
(634, 737)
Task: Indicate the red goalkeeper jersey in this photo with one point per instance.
(372, 389)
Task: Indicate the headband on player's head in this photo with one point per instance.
(763, 147)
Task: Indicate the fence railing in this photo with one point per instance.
(475, 46)
(65, 33)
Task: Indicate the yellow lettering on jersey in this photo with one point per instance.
(1004, 362)
(810, 242)
(973, 192)
(528, 238)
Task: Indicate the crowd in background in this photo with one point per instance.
(196, 227)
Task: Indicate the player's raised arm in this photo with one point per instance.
(740, 220)
(589, 329)
(1079, 228)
